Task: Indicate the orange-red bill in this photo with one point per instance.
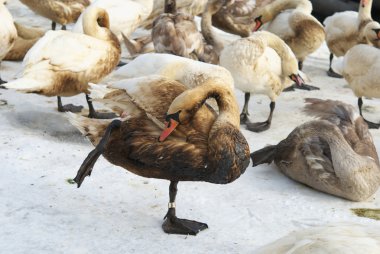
(297, 78)
(257, 25)
(170, 127)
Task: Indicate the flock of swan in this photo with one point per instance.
(173, 111)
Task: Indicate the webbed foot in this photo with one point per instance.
(243, 118)
(333, 74)
(101, 115)
(70, 108)
(2, 82)
(301, 87)
(372, 125)
(174, 225)
(259, 127)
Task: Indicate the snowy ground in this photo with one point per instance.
(118, 212)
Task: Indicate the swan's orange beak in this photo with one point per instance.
(258, 24)
(364, 2)
(297, 78)
(377, 31)
(170, 127)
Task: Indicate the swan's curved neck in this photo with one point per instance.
(365, 10)
(273, 9)
(96, 24)
(206, 28)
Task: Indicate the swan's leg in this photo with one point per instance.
(371, 125)
(174, 225)
(244, 114)
(2, 82)
(300, 65)
(121, 63)
(87, 165)
(331, 72)
(53, 25)
(94, 114)
(263, 126)
(63, 27)
(68, 107)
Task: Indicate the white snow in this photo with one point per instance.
(116, 211)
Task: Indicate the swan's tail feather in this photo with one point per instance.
(93, 129)
(264, 155)
(26, 85)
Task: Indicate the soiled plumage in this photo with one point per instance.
(335, 154)
(8, 33)
(26, 38)
(62, 63)
(60, 11)
(347, 29)
(125, 15)
(297, 27)
(202, 146)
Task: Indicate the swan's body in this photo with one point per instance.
(360, 67)
(125, 15)
(335, 154)
(62, 63)
(189, 72)
(345, 238)
(176, 33)
(198, 145)
(260, 64)
(297, 27)
(347, 29)
(26, 38)
(8, 33)
(59, 11)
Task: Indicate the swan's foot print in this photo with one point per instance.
(174, 225)
(258, 127)
(100, 115)
(70, 108)
(333, 74)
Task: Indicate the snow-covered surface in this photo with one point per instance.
(118, 212)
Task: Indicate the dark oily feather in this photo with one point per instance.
(264, 155)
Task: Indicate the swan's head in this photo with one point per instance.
(181, 111)
(364, 3)
(371, 33)
(260, 17)
(97, 14)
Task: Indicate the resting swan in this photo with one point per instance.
(8, 33)
(62, 63)
(58, 11)
(125, 15)
(336, 238)
(347, 29)
(360, 67)
(335, 154)
(297, 27)
(195, 143)
(261, 64)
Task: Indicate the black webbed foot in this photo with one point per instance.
(259, 127)
(301, 87)
(2, 82)
(101, 115)
(174, 225)
(372, 125)
(243, 118)
(70, 108)
(333, 74)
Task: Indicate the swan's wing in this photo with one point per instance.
(280, 25)
(67, 51)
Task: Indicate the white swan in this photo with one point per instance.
(336, 238)
(62, 63)
(125, 15)
(360, 67)
(8, 32)
(347, 29)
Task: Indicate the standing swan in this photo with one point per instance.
(347, 29)
(335, 154)
(261, 64)
(8, 33)
(195, 143)
(62, 63)
(58, 11)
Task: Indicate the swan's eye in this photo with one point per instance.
(174, 116)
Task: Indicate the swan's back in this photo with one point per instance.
(340, 238)
(187, 71)
(341, 24)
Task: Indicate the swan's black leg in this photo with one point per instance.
(2, 82)
(68, 107)
(53, 25)
(88, 164)
(331, 72)
(63, 27)
(244, 114)
(371, 125)
(174, 225)
(94, 114)
(300, 65)
(263, 126)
